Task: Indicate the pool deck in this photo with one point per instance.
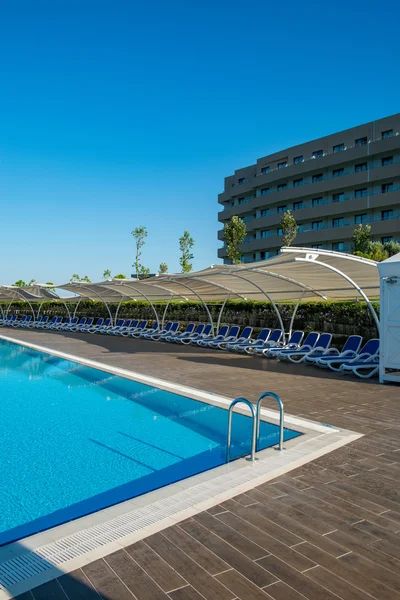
(329, 529)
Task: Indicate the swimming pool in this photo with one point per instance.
(76, 439)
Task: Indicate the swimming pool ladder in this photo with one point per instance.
(256, 419)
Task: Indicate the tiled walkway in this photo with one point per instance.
(327, 530)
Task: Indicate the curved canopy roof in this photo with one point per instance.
(294, 273)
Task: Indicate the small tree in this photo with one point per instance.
(377, 252)
(144, 272)
(391, 248)
(140, 235)
(86, 279)
(163, 268)
(32, 281)
(289, 228)
(20, 283)
(120, 276)
(362, 239)
(186, 243)
(107, 274)
(75, 277)
(234, 234)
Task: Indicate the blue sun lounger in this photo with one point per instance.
(309, 344)
(273, 340)
(174, 338)
(364, 368)
(244, 338)
(252, 344)
(222, 333)
(202, 331)
(293, 343)
(232, 336)
(319, 350)
(349, 350)
(370, 349)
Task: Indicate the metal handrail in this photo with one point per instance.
(254, 433)
(281, 416)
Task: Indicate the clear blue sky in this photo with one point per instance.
(123, 113)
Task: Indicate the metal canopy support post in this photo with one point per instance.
(144, 296)
(197, 296)
(118, 307)
(164, 313)
(347, 278)
(76, 308)
(104, 302)
(294, 314)
(221, 311)
(278, 314)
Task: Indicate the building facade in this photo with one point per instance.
(330, 184)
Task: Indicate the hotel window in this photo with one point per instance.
(338, 148)
(338, 197)
(361, 167)
(264, 233)
(265, 170)
(264, 191)
(386, 240)
(281, 209)
(242, 180)
(282, 165)
(297, 182)
(360, 219)
(281, 186)
(263, 255)
(387, 134)
(279, 231)
(387, 187)
(318, 177)
(338, 246)
(241, 201)
(338, 172)
(300, 228)
(388, 160)
(298, 205)
(265, 212)
(316, 201)
(361, 193)
(339, 222)
(317, 153)
(316, 225)
(317, 247)
(387, 214)
(361, 141)
(298, 159)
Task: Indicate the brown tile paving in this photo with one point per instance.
(327, 530)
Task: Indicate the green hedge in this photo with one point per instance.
(343, 318)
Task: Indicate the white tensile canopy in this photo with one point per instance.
(295, 274)
(389, 358)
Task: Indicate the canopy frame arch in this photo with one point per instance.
(260, 289)
(125, 298)
(226, 289)
(89, 286)
(313, 259)
(19, 298)
(62, 302)
(179, 281)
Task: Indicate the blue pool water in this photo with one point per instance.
(75, 439)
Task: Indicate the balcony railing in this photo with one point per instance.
(315, 158)
(309, 181)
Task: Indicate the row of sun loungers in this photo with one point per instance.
(314, 350)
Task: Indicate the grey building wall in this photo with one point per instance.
(330, 184)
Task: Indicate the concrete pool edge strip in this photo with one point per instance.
(35, 560)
